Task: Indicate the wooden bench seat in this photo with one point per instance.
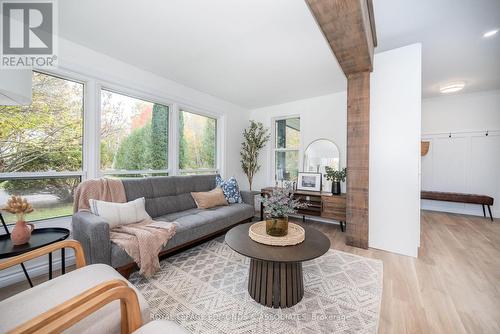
(460, 198)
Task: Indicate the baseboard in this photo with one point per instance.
(33, 270)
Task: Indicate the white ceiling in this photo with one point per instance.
(250, 52)
(450, 31)
(262, 52)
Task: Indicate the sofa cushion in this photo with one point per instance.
(167, 194)
(32, 302)
(209, 199)
(230, 188)
(116, 214)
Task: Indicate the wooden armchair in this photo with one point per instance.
(74, 310)
(94, 289)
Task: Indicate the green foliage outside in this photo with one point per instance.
(44, 136)
(197, 141)
(145, 147)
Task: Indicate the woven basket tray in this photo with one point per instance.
(257, 232)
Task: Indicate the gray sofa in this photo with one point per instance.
(167, 199)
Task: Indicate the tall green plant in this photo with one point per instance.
(255, 138)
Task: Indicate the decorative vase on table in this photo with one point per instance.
(21, 233)
(336, 176)
(19, 206)
(277, 226)
(336, 188)
(277, 206)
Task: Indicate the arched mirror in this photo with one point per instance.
(319, 154)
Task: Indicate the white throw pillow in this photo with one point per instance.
(117, 214)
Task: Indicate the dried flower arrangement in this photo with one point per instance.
(18, 206)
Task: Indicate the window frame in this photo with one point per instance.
(275, 149)
(218, 138)
(82, 174)
(138, 96)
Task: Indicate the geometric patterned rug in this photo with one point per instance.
(204, 290)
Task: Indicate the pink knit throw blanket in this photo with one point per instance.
(109, 190)
(143, 242)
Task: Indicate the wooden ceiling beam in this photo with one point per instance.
(349, 28)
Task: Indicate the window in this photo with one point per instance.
(286, 149)
(134, 135)
(197, 143)
(41, 147)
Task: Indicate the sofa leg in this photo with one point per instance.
(126, 271)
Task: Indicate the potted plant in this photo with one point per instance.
(19, 206)
(277, 206)
(255, 138)
(336, 176)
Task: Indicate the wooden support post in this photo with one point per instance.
(358, 141)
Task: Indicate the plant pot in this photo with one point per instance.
(336, 188)
(21, 233)
(277, 226)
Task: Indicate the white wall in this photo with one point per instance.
(468, 160)
(461, 113)
(81, 63)
(394, 185)
(320, 117)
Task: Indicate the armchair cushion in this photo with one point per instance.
(41, 298)
(161, 326)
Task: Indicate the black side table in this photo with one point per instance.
(39, 237)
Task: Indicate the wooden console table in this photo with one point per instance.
(320, 204)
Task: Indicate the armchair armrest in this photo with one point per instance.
(248, 196)
(75, 245)
(75, 309)
(93, 233)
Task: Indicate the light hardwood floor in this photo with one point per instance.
(453, 286)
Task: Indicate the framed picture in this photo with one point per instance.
(309, 181)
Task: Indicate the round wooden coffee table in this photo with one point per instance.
(275, 274)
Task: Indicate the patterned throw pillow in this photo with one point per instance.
(230, 188)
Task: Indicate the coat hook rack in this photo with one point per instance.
(449, 136)
(486, 133)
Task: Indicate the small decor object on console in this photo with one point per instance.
(230, 188)
(277, 207)
(309, 181)
(336, 176)
(19, 206)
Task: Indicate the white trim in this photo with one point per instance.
(198, 170)
(45, 175)
(144, 171)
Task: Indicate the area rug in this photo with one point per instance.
(204, 289)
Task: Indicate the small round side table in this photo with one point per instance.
(39, 237)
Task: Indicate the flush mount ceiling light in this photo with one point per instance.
(490, 33)
(452, 87)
